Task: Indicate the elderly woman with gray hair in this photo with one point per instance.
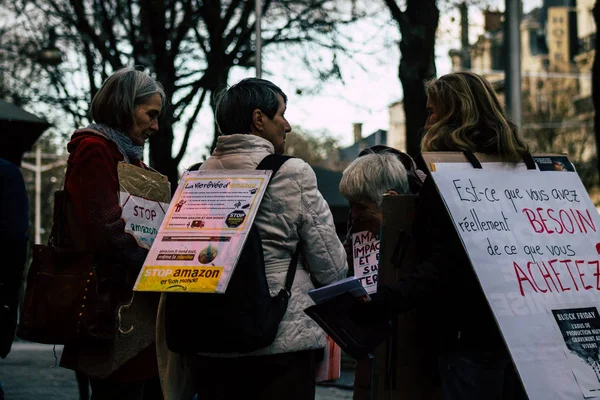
(125, 112)
(377, 171)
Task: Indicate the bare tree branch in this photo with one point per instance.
(184, 27)
(107, 26)
(190, 46)
(89, 63)
(184, 101)
(87, 31)
(241, 24)
(189, 126)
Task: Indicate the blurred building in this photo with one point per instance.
(350, 153)
(549, 44)
(328, 183)
(584, 57)
(396, 136)
(557, 52)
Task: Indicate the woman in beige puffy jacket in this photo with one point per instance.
(293, 213)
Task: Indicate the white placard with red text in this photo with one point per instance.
(532, 237)
(365, 256)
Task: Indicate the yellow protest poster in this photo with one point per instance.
(203, 233)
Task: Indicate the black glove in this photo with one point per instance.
(370, 313)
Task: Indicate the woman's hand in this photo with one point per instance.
(369, 311)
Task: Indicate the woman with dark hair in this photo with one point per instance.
(293, 218)
(119, 364)
(473, 362)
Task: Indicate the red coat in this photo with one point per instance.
(92, 187)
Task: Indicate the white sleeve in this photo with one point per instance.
(323, 252)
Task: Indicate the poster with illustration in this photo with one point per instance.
(204, 231)
(580, 330)
(365, 255)
(532, 239)
(554, 163)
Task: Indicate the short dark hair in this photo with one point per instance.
(115, 103)
(236, 104)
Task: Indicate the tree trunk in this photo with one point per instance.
(161, 145)
(595, 83)
(220, 83)
(417, 66)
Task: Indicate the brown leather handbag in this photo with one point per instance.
(61, 292)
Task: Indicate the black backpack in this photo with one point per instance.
(246, 317)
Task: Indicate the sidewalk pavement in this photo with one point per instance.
(31, 372)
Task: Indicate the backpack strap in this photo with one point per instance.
(195, 167)
(273, 162)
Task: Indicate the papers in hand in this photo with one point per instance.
(350, 285)
(332, 312)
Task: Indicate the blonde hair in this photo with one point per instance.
(471, 118)
(370, 176)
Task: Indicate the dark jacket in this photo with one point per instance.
(13, 247)
(92, 189)
(443, 286)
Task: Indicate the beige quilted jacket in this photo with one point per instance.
(292, 211)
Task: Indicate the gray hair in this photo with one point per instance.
(370, 176)
(116, 101)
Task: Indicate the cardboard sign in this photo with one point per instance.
(532, 238)
(365, 254)
(142, 217)
(144, 197)
(204, 231)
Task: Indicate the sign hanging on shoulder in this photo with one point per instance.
(365, 256)
(144, 198)
(532, 238)
(203, 233)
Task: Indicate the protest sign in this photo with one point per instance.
(204, 231)
(144, 198)
(532, 238)
(365, 254)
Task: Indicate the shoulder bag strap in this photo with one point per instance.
(273, 162)
(58, 232)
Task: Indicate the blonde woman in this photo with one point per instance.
(472, 360)
(465, 115)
